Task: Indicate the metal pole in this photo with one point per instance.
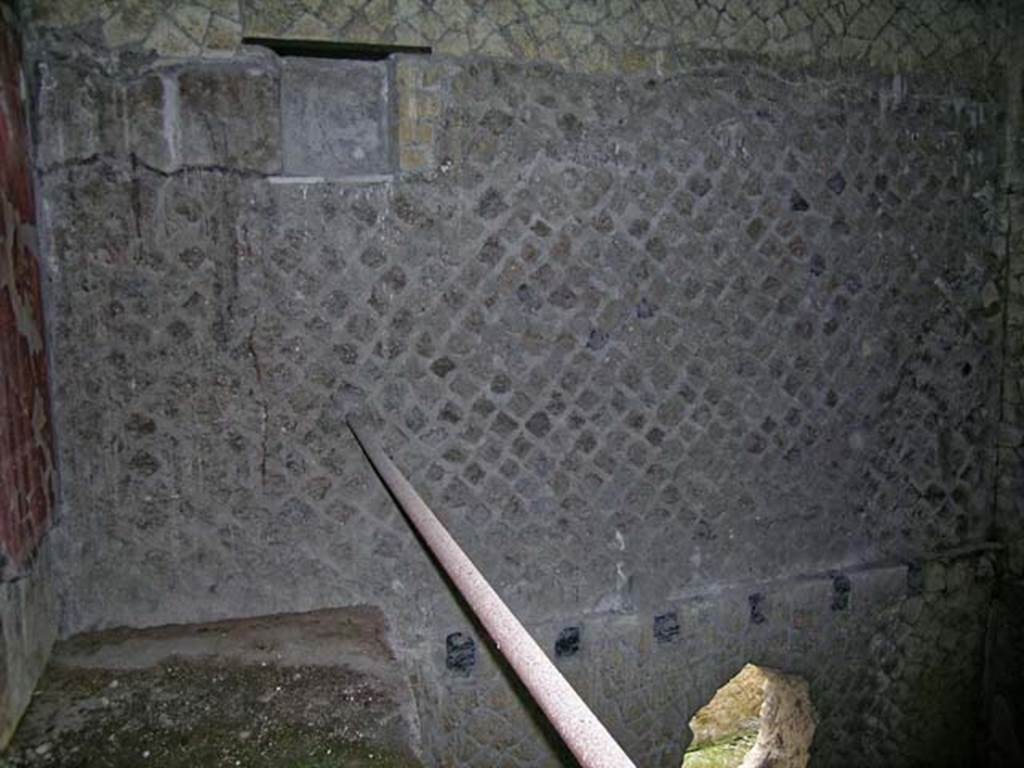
(582, 732)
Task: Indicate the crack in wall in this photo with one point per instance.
(250, 342)
(261, 400)
(114, 163)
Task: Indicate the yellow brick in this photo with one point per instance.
(407, 102)
(406, 129)
(408, 76)
(423, 133)
(431, 76)
(428, 105)
(414, 158)
(637, 61)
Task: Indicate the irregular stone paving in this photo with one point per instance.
(604, 36)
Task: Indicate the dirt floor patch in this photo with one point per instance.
(96, 708)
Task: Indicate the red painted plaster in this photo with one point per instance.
(26, 443)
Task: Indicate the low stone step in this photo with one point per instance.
(312, 690)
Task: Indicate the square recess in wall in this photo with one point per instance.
(335, 117)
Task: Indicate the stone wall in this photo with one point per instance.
(1011, 444)
(893, 676)
(950, 36)
(1005, 713)
(27, 481)
(702, 369)
(1004, 687)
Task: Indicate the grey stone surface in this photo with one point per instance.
(953, 37)
(335, 117)
(28, 629)
(70, 113)
(82, 115)
(295, 689)
(1005, 672)
(1011, 441)
(1005, 679)
(887, 681)
(636, 345)
(228, 116)
(166, 118)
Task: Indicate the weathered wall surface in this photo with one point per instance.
(705, 367)
(1011, 444)
(604, 36)
(1006, 673)
(27, 482)
(1004, 689)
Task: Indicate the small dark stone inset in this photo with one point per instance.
(492, 251)
(474, 473)
(836, 183)
(500, 384)
(140, 424)
(539, 424)
(451, 413)
(655, 436)
(840, 592)
(704, 531)
(541, 228)
(598, 339)
(699, 185)
(915, 578)
(491, 204)
(192, 257)
(563, 297)
(639, 227)
(757, 602)
(144, 463)
(755, 443)
(797, 202)
(571, 126)
(568, 642)
(460, 653)
(529, 298)
(372, 257)
(504, 424)
(666, 627)
(442, 366)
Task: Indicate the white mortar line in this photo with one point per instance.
(171, 98)
(380, 178)
(582, 732)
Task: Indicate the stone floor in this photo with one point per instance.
(313, 690)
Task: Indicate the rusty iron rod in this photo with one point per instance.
(582, 732)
